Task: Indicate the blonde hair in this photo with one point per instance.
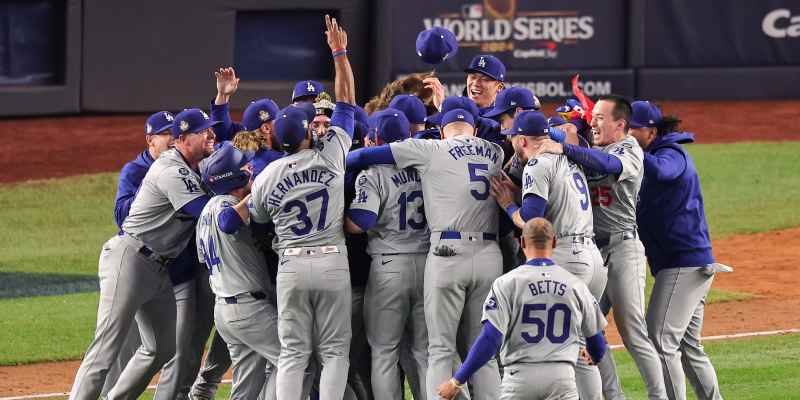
(249, 141)
(407, 84)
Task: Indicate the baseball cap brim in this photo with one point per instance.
(634, 124)
(160, 130)
(471, 70)
(495, 112)
(208, 124)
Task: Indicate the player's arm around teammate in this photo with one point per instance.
(389, 206)
(673, 229)
(535, 314)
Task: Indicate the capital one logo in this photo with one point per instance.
(781, 24)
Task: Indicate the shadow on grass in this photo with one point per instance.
(26, 284)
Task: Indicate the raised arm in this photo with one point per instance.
(344, 83)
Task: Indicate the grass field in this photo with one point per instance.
(55, 228)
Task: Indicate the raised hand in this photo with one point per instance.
(337, 37)
(227, 84)
(437, 88)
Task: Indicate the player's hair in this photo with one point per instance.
(668, 124)
(407, 84)
(622, 107)
(254, 141)
(539, 232)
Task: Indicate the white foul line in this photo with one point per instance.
(613, 346)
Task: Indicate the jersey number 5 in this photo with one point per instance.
(483, 179)
(305, 225)
(532, 313)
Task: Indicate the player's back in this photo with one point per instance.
(546, 310)
(401, 226)
(455, 180)
(234, 263)
(563, 185)
(303, 194)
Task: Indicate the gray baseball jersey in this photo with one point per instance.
(395, 196)
(155, 217)
(303, 194)
(542, 310)
(457, 190)
(614, 197)
(562, 184)
(236, 266)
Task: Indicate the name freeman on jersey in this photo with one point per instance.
(547, 287)
(473, 150)
(405, 176)
(299, 178)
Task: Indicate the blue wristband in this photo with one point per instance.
(339, 53)
(511, 209)
(557, 135)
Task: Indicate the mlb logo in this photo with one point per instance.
(472, 11)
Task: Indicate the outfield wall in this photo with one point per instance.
(67, 56)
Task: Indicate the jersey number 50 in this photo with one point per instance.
(532, 313)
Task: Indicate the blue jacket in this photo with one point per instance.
(130, 178)
(227, 129)
(670, 213)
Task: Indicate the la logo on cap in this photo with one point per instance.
(184, 126)
(309, 87)
(205, 116)
(263, 115)
(168, 116)
(482, 63)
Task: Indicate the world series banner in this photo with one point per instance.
(722, 33)
(525, 35)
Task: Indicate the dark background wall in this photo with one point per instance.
(69, 56)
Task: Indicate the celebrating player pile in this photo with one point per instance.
(292, 227)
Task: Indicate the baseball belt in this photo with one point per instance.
(147, 252)
(468, 235)
(626, 235)
(310, 251)
(243, 296)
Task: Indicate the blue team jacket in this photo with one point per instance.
(130, 178)
(670, 213)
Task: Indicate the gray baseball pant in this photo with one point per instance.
(314, 312)
(132, 286)
(545, 381)
(250, 328)
(216, 363)
(359, 376)
(674, 322)
(176, 370)
(394, 305)
(580, 256)
(129, 347)
(455, 290)
(626, 262)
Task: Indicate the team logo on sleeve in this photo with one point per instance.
(491, 304)
(362, 180)
(532, 162)
(183, 171)
(362, 197)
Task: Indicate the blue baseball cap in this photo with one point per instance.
(451, 103)
(458, 115)
(490, 66)
(291, 126)
(392, 125)
(436, 44)
(158, 123)
(529, 123)
(259, 112)
(644, 115)
(222, 171)
(191, 120)
(307, 88)
(411, 106)
(555, 121)
(511, 98)
(306, 107)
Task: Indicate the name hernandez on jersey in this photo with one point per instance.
(303, 194)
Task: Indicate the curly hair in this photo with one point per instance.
(407, 84)
(249, 141)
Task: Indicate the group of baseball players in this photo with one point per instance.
(467, 245)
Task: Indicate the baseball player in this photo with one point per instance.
(133, 269)
(306, 92)
(414, 110)
(464, 257)
(555, 188)
(534, 315)
(302, 194)
(244, 316)
(485, 79)
(614, 173)
(389, 207)
(674, 232)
